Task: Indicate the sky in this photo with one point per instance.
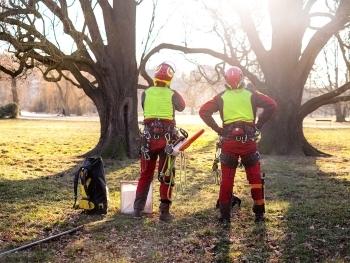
(180, 20)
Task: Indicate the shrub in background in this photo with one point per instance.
(10, 110)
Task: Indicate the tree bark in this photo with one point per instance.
(339, 113)
(284, 135)
(116, 96)
(14, 91)
(118, 122)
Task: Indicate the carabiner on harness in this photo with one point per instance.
(242, 138)
(146, 136)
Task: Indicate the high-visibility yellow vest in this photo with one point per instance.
(237, 106)
(158, 103)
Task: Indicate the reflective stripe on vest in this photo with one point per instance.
(158, 103)
(237, 106)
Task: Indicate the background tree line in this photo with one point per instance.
(32, 93)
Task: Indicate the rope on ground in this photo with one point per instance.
(50, 238)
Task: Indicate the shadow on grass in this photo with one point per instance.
(307, 210)
(310, 204)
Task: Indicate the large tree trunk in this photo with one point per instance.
(282, 135)
(118, 119)
(285, 74)
(116, 96)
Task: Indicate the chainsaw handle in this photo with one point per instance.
(184, 133)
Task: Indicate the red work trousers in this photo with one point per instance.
(238, 149)
(156, 152)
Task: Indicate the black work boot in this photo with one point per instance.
(165, 216)
(137, 214)
(234, 201)
(225, 213)
(259, 211)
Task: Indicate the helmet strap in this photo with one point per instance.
(240, 85)
(228, 86)
(161, 84)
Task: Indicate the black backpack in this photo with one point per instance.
(94, 192)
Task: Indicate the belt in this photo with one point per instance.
(242, 138)
(249, 132)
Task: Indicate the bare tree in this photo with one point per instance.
(284, 62)
(103, 47)
(196, 88)
(334, 77)
(14, 70)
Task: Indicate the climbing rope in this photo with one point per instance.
(182, 173)
(170, 172)
(215, 167)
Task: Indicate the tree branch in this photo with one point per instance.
(188, 50)
(321, 37)
(327, 98)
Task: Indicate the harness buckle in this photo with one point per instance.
(243, 138)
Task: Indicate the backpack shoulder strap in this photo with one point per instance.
(76, 179)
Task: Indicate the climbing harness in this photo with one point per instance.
(176, 142)
(155, 129)
(167, 175)
(241, 132)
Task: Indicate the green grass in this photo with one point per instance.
(307, 203)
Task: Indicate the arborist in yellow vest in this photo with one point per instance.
(237, 106)
(159, 104)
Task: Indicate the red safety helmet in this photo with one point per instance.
(234, 78)
(164, 73)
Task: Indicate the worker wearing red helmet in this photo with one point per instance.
(237, 106)
(159, 103)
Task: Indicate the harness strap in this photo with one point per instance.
(158, 128)
(249, 132)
